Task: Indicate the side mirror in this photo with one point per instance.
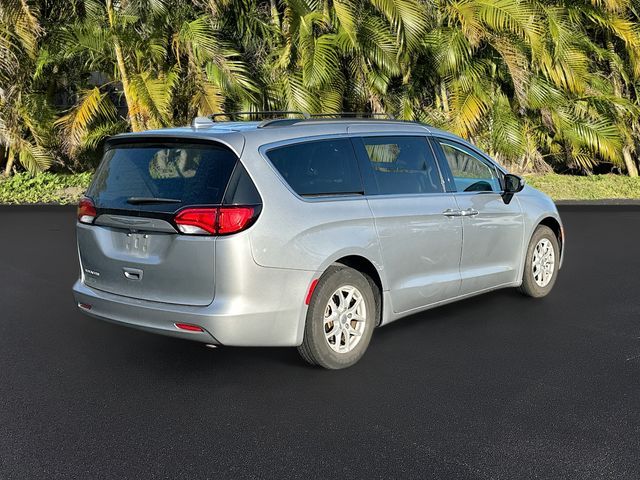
(512, 184)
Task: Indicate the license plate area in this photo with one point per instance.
(177, 269)
(137, 244)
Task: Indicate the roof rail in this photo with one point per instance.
(280, 122)
(388, 116)
(283, 122)
(304, 115)
(280, 117)
(207, 121)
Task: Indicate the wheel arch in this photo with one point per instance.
(557, 229)
(548, 219)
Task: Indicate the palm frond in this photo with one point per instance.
(511, 16)
(470, 106)
(320, 61)
(33, 157)
(407, 19)
(507, 132)
(451, 49)
(152, 95)
(346, 14)
(208, 98)
(98, 133)
(92, 105)
(22, 23)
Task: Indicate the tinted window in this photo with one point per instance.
(470, 174)
(323, 167)
(190, 173)
(403, 165)
(241, 189)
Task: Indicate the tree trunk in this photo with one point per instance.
(126, 87)
(3, 154)
(616, 82)
(632, 170)
(9, 166)
(275, 15)
(124, 77)
(443, 95)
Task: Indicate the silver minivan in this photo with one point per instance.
(305, 232)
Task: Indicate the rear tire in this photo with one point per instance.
(340, 320)
(541, 263)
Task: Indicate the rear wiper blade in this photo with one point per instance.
(141, 200)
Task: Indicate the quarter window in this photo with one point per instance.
(324, 167)
(403, 165)
(470, 174)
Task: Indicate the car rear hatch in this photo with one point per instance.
(130, 238)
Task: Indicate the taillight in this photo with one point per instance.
(234, 219)
(86, 210)
(215, 221)
(197, 221)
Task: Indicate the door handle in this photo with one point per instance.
(470, 212)
(452, 213)
(132, 273)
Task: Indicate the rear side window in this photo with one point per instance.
(188, 173)
(323, 167)
(403, 165)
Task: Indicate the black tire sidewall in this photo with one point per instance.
(315, 343)
(529, 286)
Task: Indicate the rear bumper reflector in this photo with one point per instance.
(188, 327)
(312, 287)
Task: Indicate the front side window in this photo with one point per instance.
(322, 167)
(403, 165)
(470, 174)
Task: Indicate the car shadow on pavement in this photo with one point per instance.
(142, 348)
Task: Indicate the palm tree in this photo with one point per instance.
(25, 115)
(516, 77)
(323, 56)
(613, 28)
(167, 59)
(537, 83)
(119, 36)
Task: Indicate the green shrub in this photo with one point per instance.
(44, 188)
(590, 187)
(64, 188)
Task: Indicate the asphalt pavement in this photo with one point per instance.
(498, 386)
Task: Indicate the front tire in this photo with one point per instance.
(541, 263)
(340, 320)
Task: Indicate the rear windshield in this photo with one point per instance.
(161, 177)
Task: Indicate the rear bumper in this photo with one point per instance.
(268, 320)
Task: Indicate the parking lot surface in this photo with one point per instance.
(498, 386)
